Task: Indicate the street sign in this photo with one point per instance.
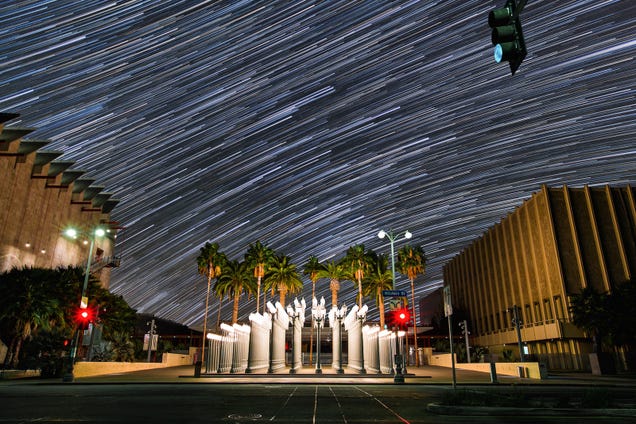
(448, 305)
(394, 293)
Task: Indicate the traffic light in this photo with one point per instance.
(83, 317)
(507, 36)
(399, 318)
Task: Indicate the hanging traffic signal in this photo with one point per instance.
(83, 317)
(507, 36)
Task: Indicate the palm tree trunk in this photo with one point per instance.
(258, 292)
(417, 357)
(235, 308)
(205, 319)
(311, 331)
(218, 317)
(360, 292)
(381, 306)
(283, 294)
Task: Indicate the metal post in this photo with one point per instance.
(466, 336)
(515, 310)
(450, 336)
(150, 334)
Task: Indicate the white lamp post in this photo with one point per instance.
(318, 312)
(338, 316)
(297, 314)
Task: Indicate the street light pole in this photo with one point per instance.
(318, 312)
(71, 232)
(392, 238)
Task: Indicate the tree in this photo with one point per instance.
(336, 273)
(283, 277)
(591, 312)
(235, 280)
(356, 263)
(412, 262)
(258, 257)
(209, 264)
(25, 305)
(378, 279)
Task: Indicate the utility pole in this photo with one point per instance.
(464, 326)
(517, 322)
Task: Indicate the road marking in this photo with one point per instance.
(284, 404)
(344, 419)
(405, 421)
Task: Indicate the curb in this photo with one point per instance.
(512, 411)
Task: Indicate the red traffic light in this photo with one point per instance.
(399, 318)
(83, 317)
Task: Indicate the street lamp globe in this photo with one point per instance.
(71, 232)
(408, 234)
(381, 234)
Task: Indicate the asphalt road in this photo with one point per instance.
(164, 397)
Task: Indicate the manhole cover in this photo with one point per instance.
(245, 417)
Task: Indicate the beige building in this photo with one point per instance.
(555, 243)
(41, 197)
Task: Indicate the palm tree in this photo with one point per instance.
(590, 312)
(412, 262)
(380, 278)
(235, 280)
(312, 269)
(258, 257)
(356, 262)
(220, 291)
(283, 277)
(335, 272)
(210, 264)
(25, 305)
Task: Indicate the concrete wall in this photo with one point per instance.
(529, 369)
(90, 369)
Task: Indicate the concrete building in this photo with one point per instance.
(41, 196)
(557, 242)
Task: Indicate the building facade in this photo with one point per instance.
(41, 197)
(554, 244)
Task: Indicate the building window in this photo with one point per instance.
(537, 313)
(548, 310)
(558, 307)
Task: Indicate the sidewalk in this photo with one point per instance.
(307, 375)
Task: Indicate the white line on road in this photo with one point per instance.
(405, 421)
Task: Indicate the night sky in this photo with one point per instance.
(311, 125)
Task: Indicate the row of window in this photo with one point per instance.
(536, 314)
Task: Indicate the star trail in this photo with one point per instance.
(311, 125)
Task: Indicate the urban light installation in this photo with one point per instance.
(73, 233)
(318, 312)
(297, 314)
(337, 316)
